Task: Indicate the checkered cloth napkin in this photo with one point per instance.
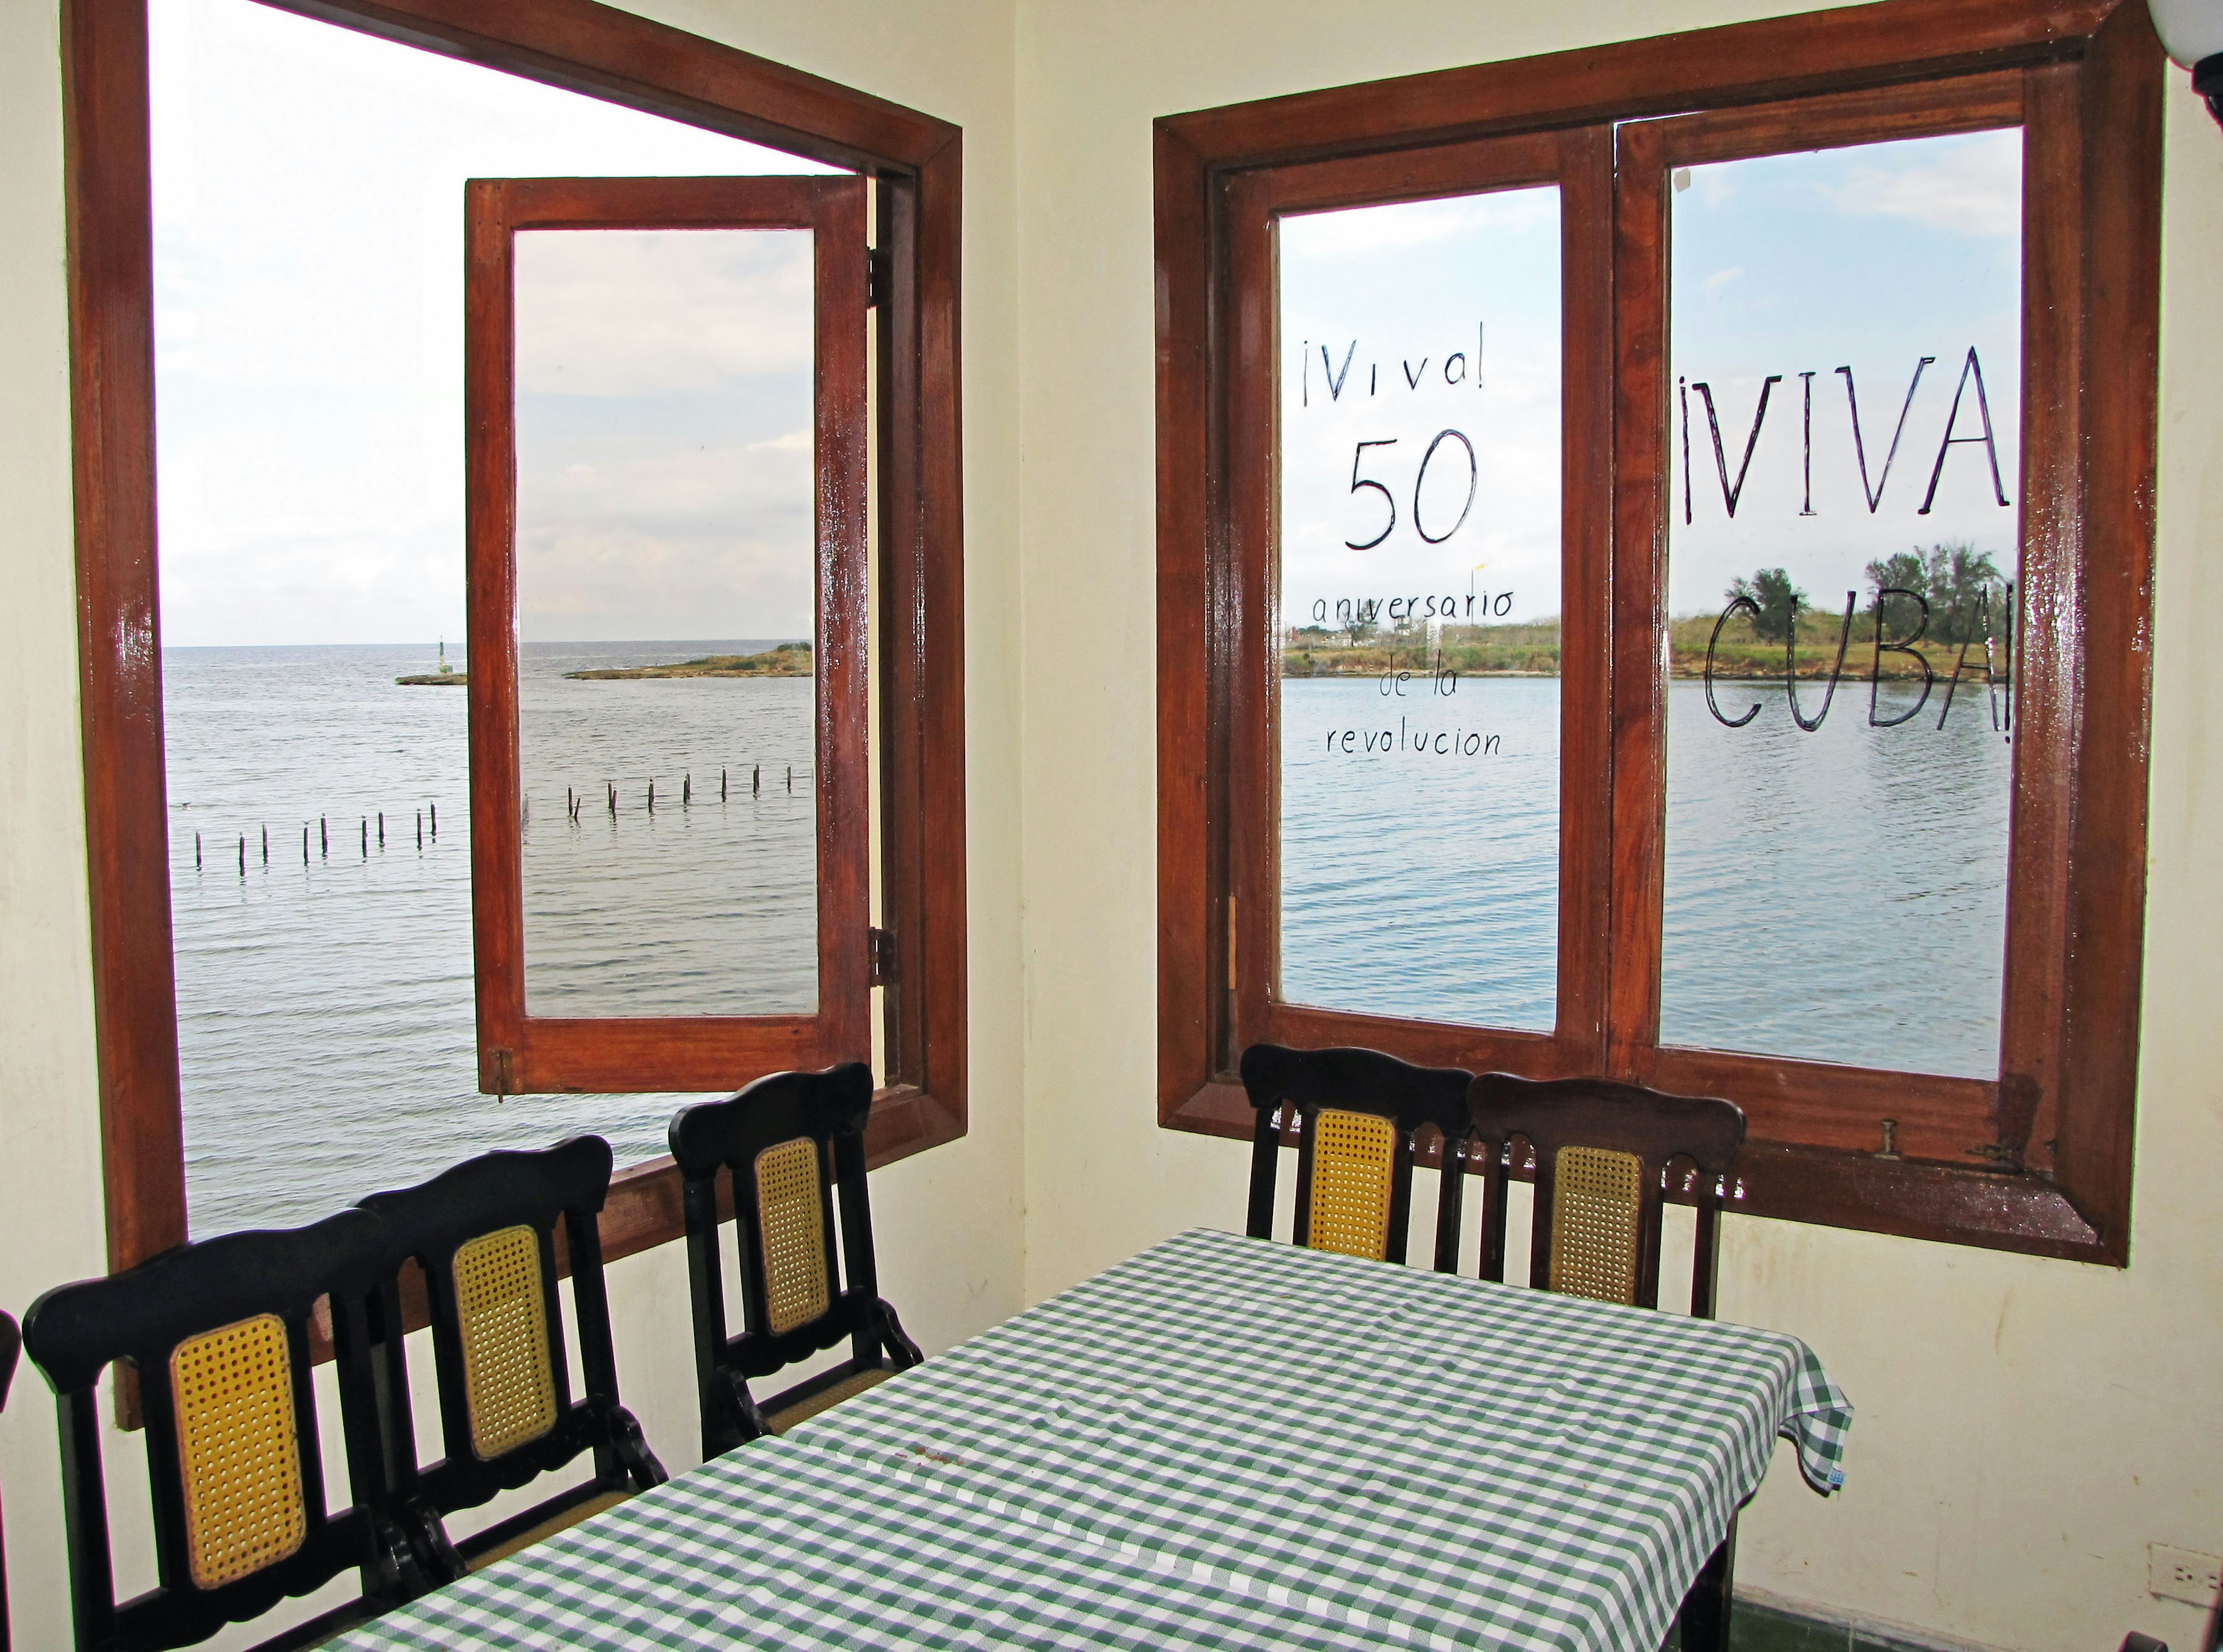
(1221, 1443)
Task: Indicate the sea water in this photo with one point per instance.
(327, 1037)
(1834, 894)
(1837, 896)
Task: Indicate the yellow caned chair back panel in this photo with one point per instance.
(1596, 1198)
(1354, 1156)
(791, 1232)
(501, 1312)
(239, 1457)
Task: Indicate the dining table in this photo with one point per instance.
(1220, 1443)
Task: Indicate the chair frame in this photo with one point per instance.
(1659, 1129)
(74, 1331)
(831, 1108)
(428, 1224)
(1550, 1114)
(1356, 1081)
(11, 1344)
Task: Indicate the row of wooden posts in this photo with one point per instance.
(323, 830)
(574, 801)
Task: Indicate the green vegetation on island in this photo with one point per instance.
(1933, 605)
(788, 660)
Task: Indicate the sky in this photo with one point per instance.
(1868, 258)
(308, 322)
(663, 434)
(1399, 324)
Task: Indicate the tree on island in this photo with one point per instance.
(1952, 580)
(1771, 591)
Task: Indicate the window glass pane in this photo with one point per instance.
(308, 265)
(1419, 561)
(665, 570)
(1845, 339)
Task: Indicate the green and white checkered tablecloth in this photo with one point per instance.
(1222, 1442)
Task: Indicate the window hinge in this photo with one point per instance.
(875, 276)
(504, 1083)
(880, 946)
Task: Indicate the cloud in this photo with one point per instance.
(1416, 223)
(308, 197)
(1972, 184)
(1721, 279)
(624, 312)
(712, 541)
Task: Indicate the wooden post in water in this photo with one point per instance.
(421, 828)
(197, 852)
(790, 777)
(435, 809)
(265, 846)
(652, 794)
(305, 845)
(686, 788)
(381, 828)
(756, 780)
(366, 836)
(721, 785)
(242, 854)
(613, 785)
(324, 837)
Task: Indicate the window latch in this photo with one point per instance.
(880, 948)
(875, 276)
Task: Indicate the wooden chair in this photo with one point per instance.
(1354, 1112)
(789, 1141)
(1604, 1152)
(11, 1340)
(484, 1235)
(217, 1333)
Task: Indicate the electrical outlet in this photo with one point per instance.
(2183, 1574)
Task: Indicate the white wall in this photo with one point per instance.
(50, 1211)
(2024, 1427)
(950, 1223)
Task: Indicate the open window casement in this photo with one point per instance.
(666, 430)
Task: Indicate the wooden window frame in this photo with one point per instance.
(916, 162)
(522, 1053)
(1578, 160)
(2039, 1162)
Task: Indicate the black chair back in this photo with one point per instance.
(218, 1335)
(1355, 1113)
(790, 1142)
(11, 1340)
(483, 1233)
(1603, 1150)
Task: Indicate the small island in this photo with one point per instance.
(439, 679)
(788, 660)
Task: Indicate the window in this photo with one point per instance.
(822, 974)
(1653, 575)
(631, 339)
